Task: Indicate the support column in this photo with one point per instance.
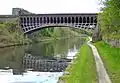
(82, 19)
(58, 20)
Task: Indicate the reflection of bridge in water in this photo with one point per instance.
(45, 65)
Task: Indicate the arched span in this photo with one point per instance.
(30, 29)
(34, 22)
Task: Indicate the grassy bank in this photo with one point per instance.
(111, 59)
(83, 68)
(11, 34)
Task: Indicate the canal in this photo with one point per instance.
(43, 62)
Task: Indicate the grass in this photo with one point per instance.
(83, 69)
(111, 59)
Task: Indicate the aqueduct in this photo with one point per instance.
(31, 22)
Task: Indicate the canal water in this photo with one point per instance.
(43, 62)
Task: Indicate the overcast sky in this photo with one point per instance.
(50, 6)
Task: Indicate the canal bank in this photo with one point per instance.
(111, 58)
(82, 69)
(103, 76)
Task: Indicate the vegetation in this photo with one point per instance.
(111, 59)
(109, 19)
(83, 68)
(53, 32)
(11, 34)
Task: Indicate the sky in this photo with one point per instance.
(50, 6)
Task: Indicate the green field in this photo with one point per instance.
(111, 59)
(83, 69)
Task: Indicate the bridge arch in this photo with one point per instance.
(34, 22)
(31, 29)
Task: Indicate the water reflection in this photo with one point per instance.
(35, 63)
(46, 57)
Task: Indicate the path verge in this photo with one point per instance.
(101, 71)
